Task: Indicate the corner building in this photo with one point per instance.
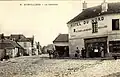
(96, 27)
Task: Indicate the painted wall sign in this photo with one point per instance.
(83, 30)
(88, 29)
(79, 23)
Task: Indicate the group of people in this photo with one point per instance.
(81, 53)
(95, 52)
(57, 54)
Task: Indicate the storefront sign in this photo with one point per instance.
(104, 39)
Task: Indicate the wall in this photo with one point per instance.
(2, 53)
(9, 52)
(12, 52)
(85, 31)
(73, 44)
(61, 43)
(28, 47)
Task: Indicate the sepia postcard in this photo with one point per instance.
(59, 38)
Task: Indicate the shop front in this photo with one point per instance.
(63, 51)
(114, 48)
(93, 47)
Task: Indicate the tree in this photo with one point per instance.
(44, 50)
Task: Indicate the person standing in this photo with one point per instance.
(77, 54)
(50, 53)
(83, 52)
(102, 52)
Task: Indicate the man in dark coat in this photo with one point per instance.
(83, 52)
(77, 55)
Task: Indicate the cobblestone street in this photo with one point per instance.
(36, 66)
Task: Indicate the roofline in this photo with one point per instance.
(91, 17)
(81, 12)
(57, 37)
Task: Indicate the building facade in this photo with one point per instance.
(9, 49)
(94, 28)
(61, 45)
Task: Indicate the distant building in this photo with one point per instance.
(26, 43)
(61, 45)
(96, 27)
(21, 40)
(10, 48)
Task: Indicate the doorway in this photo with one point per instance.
(63, 51)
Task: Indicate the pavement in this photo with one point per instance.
(42, 66)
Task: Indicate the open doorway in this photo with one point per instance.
(63, 51)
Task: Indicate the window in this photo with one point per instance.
(115, 24)
(73, 30)
(94, 27)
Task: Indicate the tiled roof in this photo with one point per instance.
(19, 38)
(61, 38)
(96, 11)
(30, 39)
(9, 44)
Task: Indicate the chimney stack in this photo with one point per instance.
(104, 6)
(84, 5)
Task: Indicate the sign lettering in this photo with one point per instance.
(79, 23)
(88, 29)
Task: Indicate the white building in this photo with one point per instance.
(24, 42)
(95, 27)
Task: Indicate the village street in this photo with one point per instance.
(41, 66)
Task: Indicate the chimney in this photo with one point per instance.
(2, 36)
(104, 6)
(84, 5)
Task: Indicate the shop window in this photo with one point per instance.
(94, 27)
(115, 24)
(114, 46)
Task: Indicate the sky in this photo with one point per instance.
(45, 21)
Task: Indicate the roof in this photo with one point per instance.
(113, 8)
(30, 39)
(61, 38)
(17, 36)
(8, 44)
(7, 37)
(20, 38)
